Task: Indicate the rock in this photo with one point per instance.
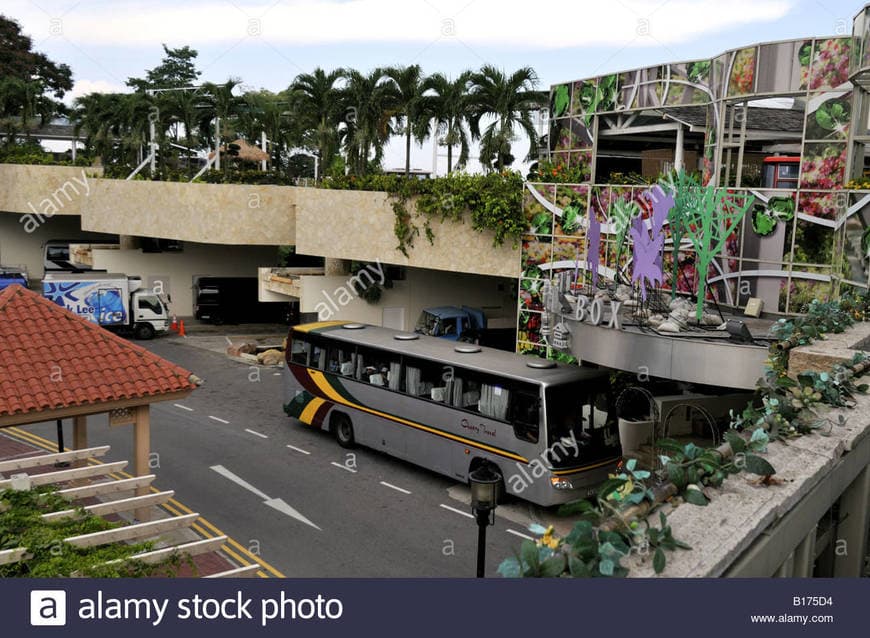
(656, 320)
(270, 357)
(710, 320)
(623, 293)
(248, 348)
(668, 326)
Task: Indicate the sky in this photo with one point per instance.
(267, 43)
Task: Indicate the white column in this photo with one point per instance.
(263, 146)
(678, 151)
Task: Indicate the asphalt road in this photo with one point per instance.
(291, 494)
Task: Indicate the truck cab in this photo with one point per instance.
(456, 323)
(11, 275)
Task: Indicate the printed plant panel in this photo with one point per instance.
(603, 198)
(781, 68)
(530, 294)
(830, 64)
(823, 166)
(566, 249)
(682, 77)
(533, 272)
(532, 349)
(802, 292)
(560, 100)
(813, 245)
(563, 136)
(580, 166)
(535, 212)
(824, 205)
(828, 116)
(687, 280)
(585, 99)
(529, 327)
(741, 78)
(608, 87)
(805, 59)
(574, 202)
(650, 87)
(559, 160)
(536, 251)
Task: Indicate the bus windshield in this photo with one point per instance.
(577, 418)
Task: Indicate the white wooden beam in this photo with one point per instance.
(193, 548)
(114, 507)
(248, 571)
(70, 475)
(9, 556)
(131, 532)
(108, 487)
(42, 460)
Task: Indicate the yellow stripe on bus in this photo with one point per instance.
(323, 384)
(310, 410)
(317, 325)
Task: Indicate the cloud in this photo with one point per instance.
(83, 87)
(514, 23)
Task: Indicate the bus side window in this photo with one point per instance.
(379, 368)
(341, 361)
(299, 351)
(525, 415)
(318, 356)
(425, 379)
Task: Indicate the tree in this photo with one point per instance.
(368, 101)
(315, 103)
(266, 112)
(410, 105)
(183, 108)
(451, 107)
(223, 105)
(715, 215)
(177, 69)
(31, 85)
(509, 100)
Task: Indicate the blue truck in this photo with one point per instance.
(11, 275)
(456, 323)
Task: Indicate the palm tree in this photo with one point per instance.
(314, 101)
(223, 105)
(183, 107)
(509, 101)
(410, 104)
(369, 101)
(450, 106)
(266, 112)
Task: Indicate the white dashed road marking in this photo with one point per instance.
(393, 487)
(456, 511)
(262, 436)
(218, 420)
(344, 467)
(300, 450)
(182, 407)
(521, 535)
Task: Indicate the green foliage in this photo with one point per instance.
(22, 525)
(492, 202)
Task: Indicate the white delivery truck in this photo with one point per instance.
(114, 301)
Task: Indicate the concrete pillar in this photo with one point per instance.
(804, 556)
(141, 454)
(850, 544)
(336, 266)
(678, 151)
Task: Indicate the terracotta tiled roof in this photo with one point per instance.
(52, 359)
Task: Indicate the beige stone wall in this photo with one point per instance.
(208, 213)
(66, 188)
(359, 225)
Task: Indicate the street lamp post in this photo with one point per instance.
(484, 497)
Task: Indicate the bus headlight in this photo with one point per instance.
(560, 483)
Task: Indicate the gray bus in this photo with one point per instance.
(548, 429)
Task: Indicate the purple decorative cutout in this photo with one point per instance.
(593, 251)
(648, 246)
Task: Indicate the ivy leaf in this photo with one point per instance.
(529, 553)
(738, 445)
(577, 507)
(677, 476)
(608, 487)
(695, 496)
(578, 568)
(553, 566)
(606, 567)
(659, 560)
(510, 568)
(759, 441)
(757, 465)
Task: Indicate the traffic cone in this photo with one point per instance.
(181, 332)
(174, 325)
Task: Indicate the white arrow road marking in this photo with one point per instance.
(395, 487)
(274, 503)
(453, 509)
(516, 533)
(344, 467)
(299, 449)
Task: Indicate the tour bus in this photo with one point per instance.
(547, 428)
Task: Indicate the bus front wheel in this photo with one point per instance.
(343, 429)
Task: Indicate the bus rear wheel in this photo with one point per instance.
(343, 429)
